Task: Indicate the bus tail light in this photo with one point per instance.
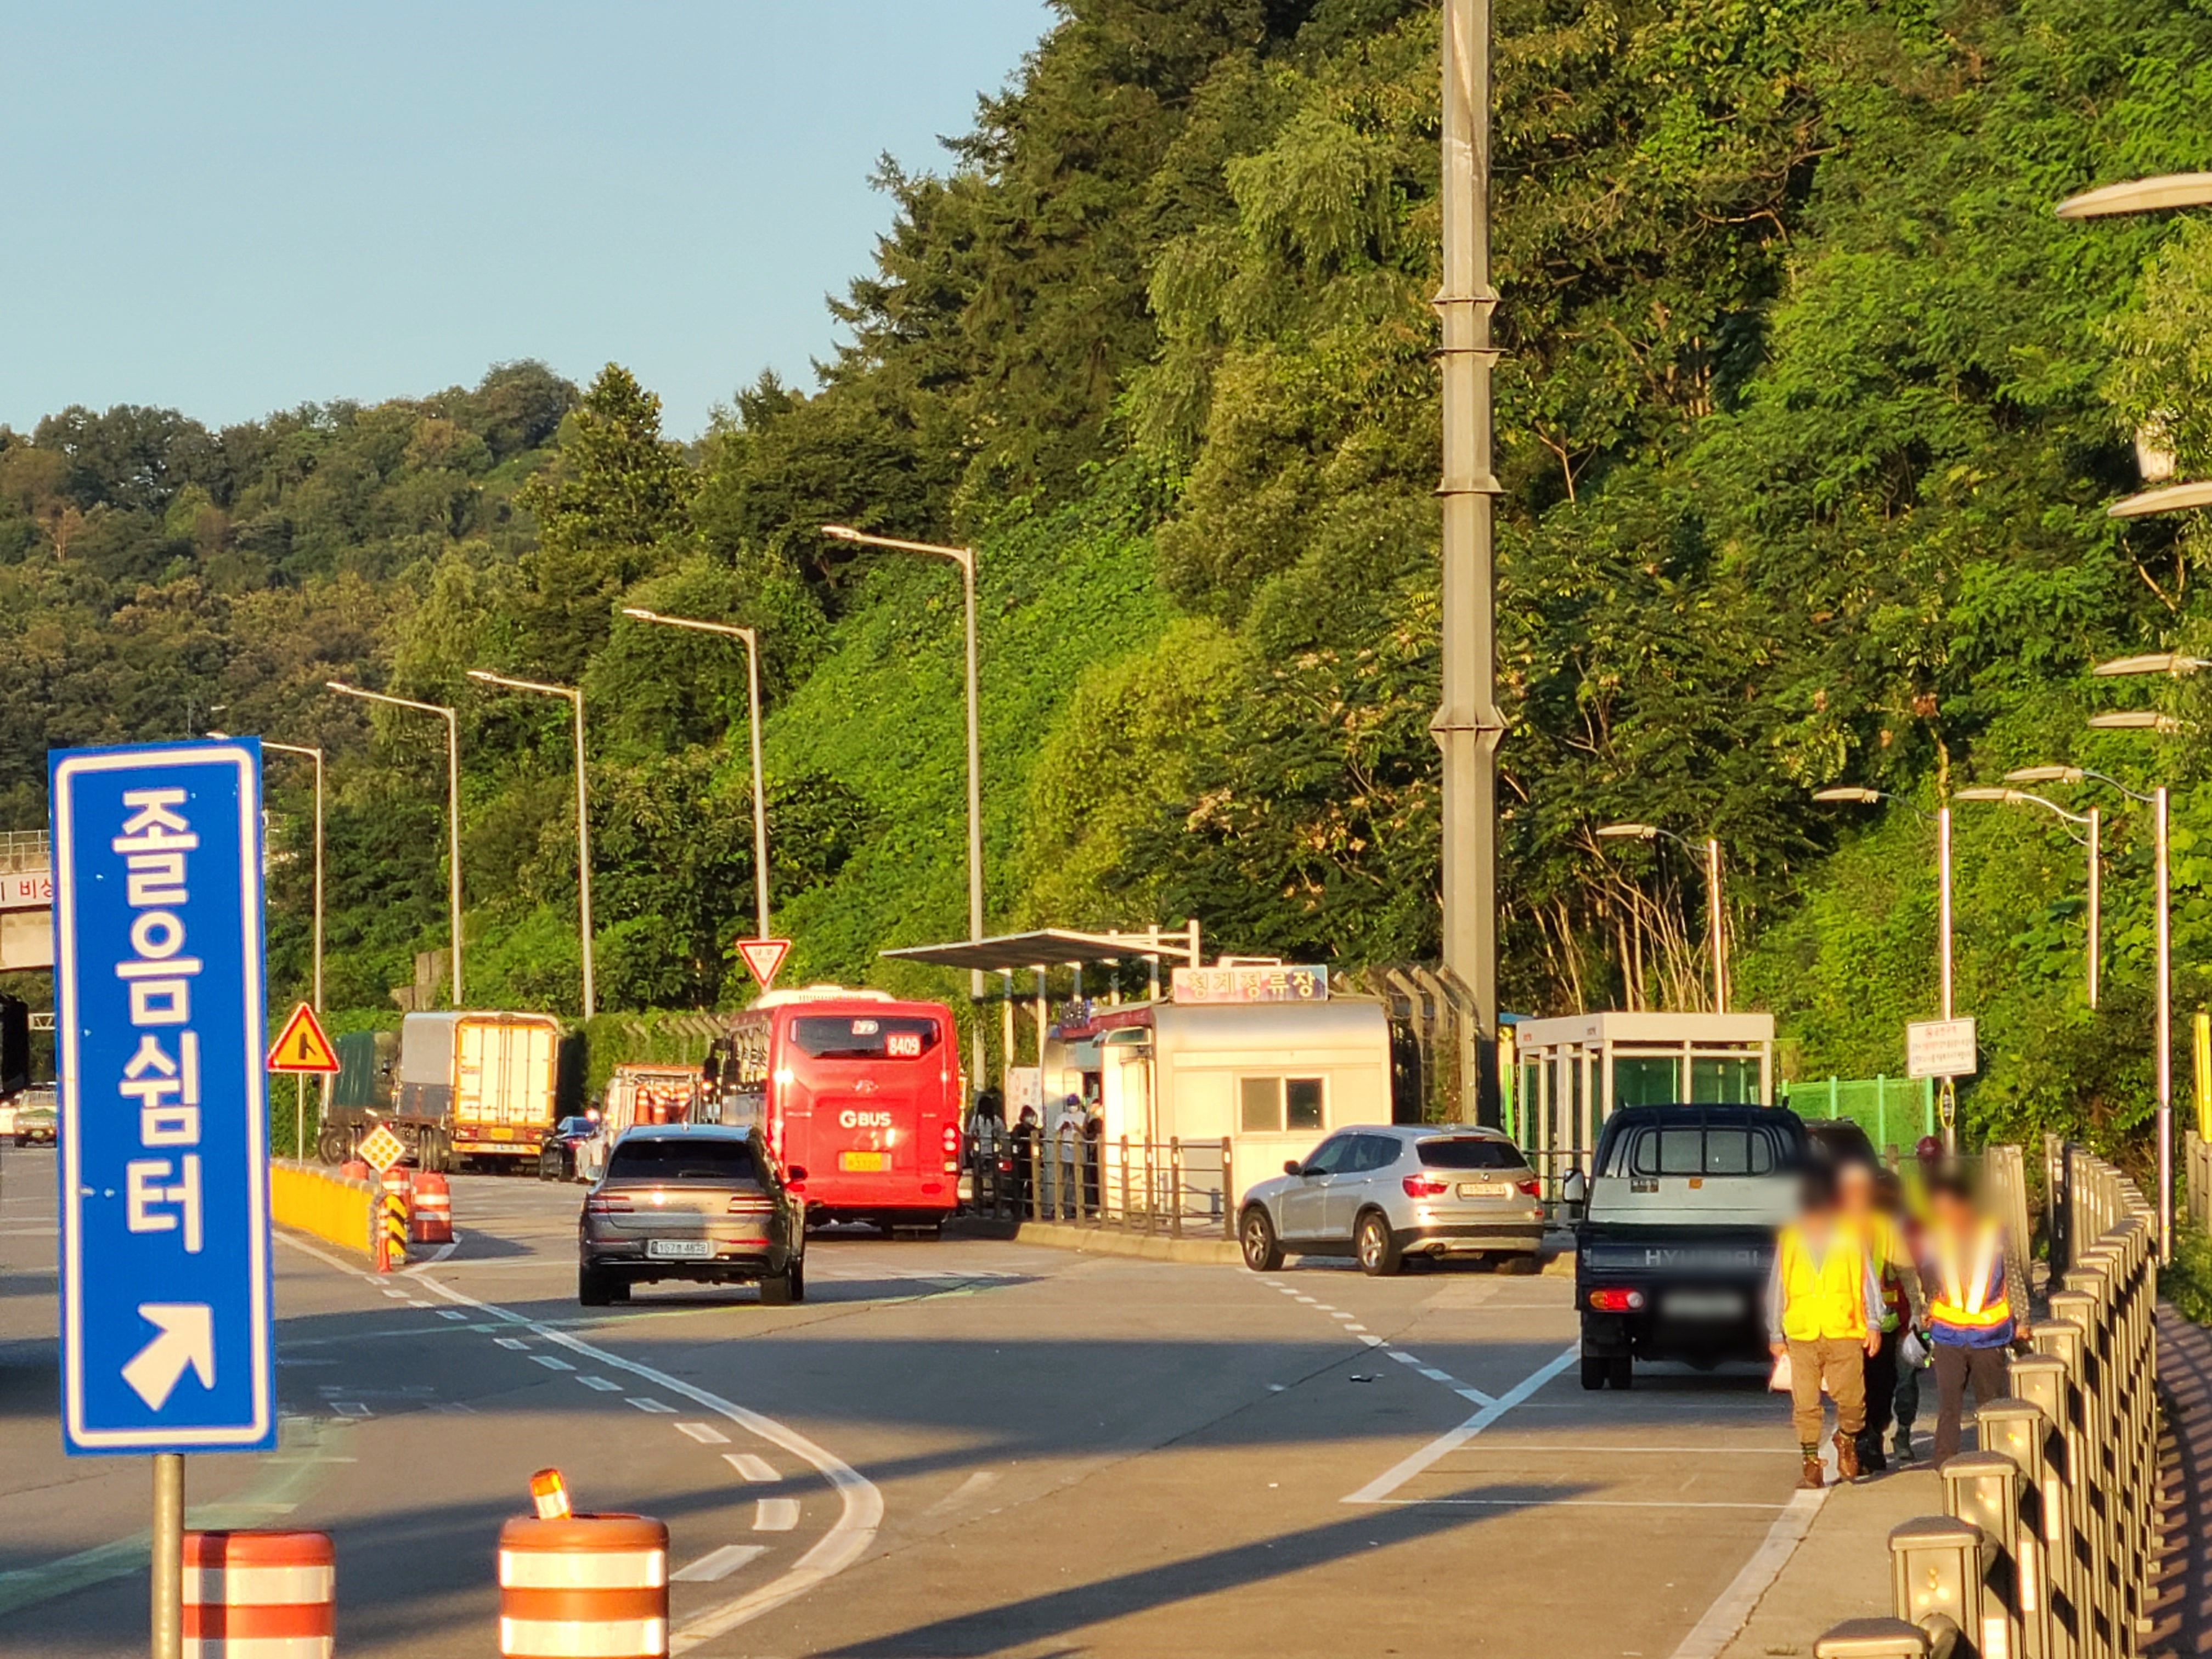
(1616, 1301)
(1423, 1187)
(952, 1149)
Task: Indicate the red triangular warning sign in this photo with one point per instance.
(764, 957)
(303, 1048)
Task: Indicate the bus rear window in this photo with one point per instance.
(864, 1036)
(1467, 1152)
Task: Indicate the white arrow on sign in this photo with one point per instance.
(187, 1338)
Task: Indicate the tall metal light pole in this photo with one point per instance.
(965, 558)
(575, 697)
(2091, 823)
(1467, 726)
(1716, 901)
(751, 638)
(452, 806)
(1941, 818)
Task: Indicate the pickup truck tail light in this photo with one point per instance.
(1616, 1301)
(607, 1204)
(1531, 1187)
(1423, 1187)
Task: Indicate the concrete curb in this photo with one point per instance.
(1151, 1247)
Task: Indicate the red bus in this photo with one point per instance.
(859, 1089)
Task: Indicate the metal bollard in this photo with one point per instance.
(1984, 1487)
(2046, 1382)
(1937, 1565)
(1878, 1639)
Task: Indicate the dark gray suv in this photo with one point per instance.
(692, 1201)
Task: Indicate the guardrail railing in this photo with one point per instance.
(24, 850)
(1177, 1189)
(2049, 1537)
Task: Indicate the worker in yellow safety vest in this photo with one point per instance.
(1859, 1194)
(1971, 1317)
(1824, 1303)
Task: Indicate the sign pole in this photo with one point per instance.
(169, 1565)
(299, 1117)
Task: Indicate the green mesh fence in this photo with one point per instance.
(1892, 1110)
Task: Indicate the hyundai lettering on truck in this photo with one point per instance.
(860, 1090)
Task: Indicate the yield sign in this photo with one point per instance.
(303, 1048)
(764, 957)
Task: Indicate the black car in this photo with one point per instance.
(695, 1201)
(559, 1157)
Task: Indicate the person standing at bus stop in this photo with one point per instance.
(1820, 1298)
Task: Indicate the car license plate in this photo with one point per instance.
(1486, 1188)
(1706, 1304)
(680, 1250)
(864, 1163)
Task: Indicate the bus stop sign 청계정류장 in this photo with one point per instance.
(167, 1343)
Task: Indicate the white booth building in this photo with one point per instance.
(1573, 1073)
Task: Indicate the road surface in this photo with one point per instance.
(970, 1447)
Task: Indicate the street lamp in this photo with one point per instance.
(575, 697)
(1715, 910)
(299, 1116)
(1862, 797)
(751, 637)
(2092, 824)
(965, 558)
(452, 806)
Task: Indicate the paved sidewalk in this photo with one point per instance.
(2182, 1605)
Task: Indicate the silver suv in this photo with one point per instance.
(1382, 1194)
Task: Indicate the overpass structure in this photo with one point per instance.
(26, 900)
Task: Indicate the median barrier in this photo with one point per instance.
(338, 1208)
(259, 1596)
(2049, 1541)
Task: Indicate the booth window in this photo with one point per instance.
(1271, 1104)
(1645, 1080)
(1725, 1080)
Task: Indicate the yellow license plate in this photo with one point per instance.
(864, 1163)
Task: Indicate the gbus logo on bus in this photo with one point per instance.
(864, 1119)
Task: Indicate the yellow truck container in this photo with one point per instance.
(493, 1077)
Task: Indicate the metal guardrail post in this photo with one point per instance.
(1985, 1487)
(2018, 1429)
(1037, 1176)
(1936, 1567)
(1125, 1183)
(1228, 1195)
(1174, 1186)
(2047, 1381)
(1875, 1639)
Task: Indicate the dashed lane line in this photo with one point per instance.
(646, 1402)
(752, 1466)
(705, 1433)
(1465, 1391)
(601, 1384)
(1379, 1489)
(717, 1564)
(776, 1515)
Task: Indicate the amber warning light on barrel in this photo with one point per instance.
(549, 1492)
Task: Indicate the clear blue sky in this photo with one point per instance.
(230, 209)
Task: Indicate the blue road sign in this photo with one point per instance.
(167, 1339)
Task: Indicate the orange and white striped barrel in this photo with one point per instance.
(259, 1596)
(432, 1214)
(588, 1584)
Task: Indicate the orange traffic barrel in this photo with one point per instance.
(584, 1584)
(259, 1595)
(433, 1208)
(354, 1169)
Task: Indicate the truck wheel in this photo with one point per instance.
(1378, 1253)
(1263, 1251)
(330, 1145)
(1620, 1371)
(1593, 1369)
(596, 1287)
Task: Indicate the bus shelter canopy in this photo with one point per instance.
(1050, 947)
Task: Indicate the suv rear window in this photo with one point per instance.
(1467, 1152)
(682, 1158)
(864, 1036)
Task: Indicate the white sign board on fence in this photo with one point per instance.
(1940, 1047)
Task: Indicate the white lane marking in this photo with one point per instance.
(552, 1362)
(397, 1296)
(1733, 1609)
(437, 1255)
(861, 1505)
(449, 1313)
(1354, 1327)
(1307, 1299)
(705, 1433)
(752, 1468)
(1435, 1376)
(1340, 1315)
(601, 1384)
(1372, 1341)
(776, 1515)
(646, 1402)
(717, 1564)
(1452, 1439)
(1404, 1358)
(1475, 1394)
(973, 1487)
(515, 1343)
(349, 1407)
(1575, 1504)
